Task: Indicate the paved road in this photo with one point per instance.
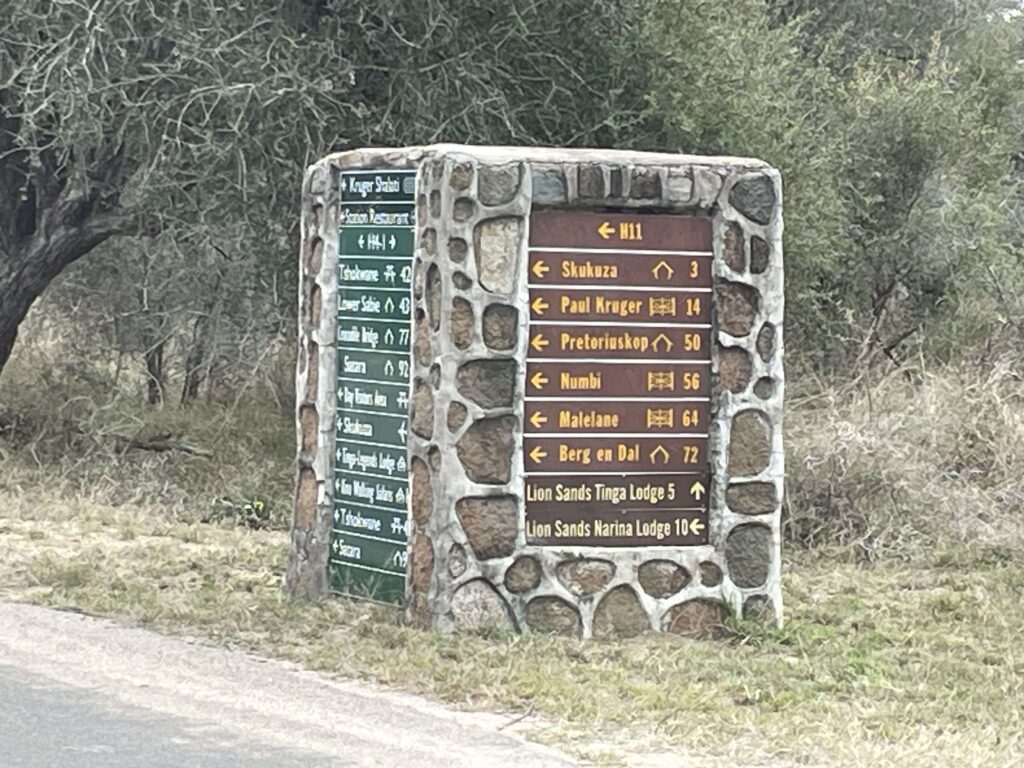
(77, 692)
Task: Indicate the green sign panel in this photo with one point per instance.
(393, 304)
(375, 336)
(371, 473)
(370, 272)
(355, 364)
(372, 240)
(377, 187)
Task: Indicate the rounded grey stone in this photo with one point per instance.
(476, 605)
(548, 185)
(765, 388)
(490, 524)
(585, 576)
(662, 578)
(461, 322)
(766, 342)
(496, 247)
(523, 575)
(748, 554)
(553, 615)
(710, 574)
(456, 560)
(422, 422)
(750, 447)
(754, 198)
(485, 449)
(498, 184)
(488, 383)
(620, 615)
(501, 327)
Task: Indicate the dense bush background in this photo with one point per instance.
(897, 127)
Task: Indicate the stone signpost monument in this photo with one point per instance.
(541, 389)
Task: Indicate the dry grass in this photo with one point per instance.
(891, 664)
(68, 424)
(899, 467)
(885, 661)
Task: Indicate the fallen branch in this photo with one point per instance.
(160, 444)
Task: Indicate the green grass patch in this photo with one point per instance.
(900, 651)
(888, 664)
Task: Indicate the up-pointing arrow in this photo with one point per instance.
(697, 490)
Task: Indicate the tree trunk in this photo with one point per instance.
(195, 360)
(155, 373)
(19, 288)
(8, 335)
(66, 232)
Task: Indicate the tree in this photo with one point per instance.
(892, 125)
(140, 116)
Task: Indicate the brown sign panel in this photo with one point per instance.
(626, 416)
(620, 231)
(571, 526)
(606, 305)
(594, 493)
(618, 379)
(619, 268)
(614, 453)
(633, 342)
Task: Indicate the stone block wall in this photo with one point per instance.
(469, 562)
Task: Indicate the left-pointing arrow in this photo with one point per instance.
(606, 230)
(538, 342)
(539, 305)
(537, 454)
(538, 419)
